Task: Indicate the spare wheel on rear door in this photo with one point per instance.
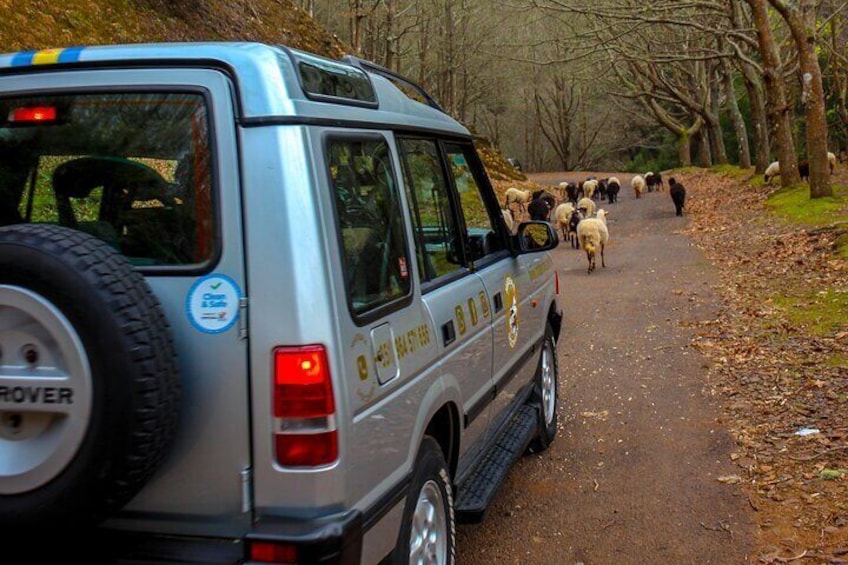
(89, 385)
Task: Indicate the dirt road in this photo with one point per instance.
(639, 471)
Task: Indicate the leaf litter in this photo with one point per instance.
(774, 374)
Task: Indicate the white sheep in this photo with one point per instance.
(516, 195)
(831, 160)
(637, 183)
(562, 214)
(593, 235)
(772, 171)
(507, 216)
(589, 187)
(587, 205)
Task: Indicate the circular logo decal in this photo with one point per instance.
(212, 304)
(511, 301)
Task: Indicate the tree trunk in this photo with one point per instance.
(778, 109)
(704, 158)
(759, 121)
(802, 24)
(736, 116)
(717, 148)
(684, 149)
(756, 97)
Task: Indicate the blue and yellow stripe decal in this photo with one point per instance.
(46, 57)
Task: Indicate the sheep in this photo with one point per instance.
(593, 235)
(678, 195)
(649, 181)
(637, 183)
(587, 205)
(539, 209)
(562, 214)
(654, 182)
(516, 195)
(613, 186)
(547, 197)
(571, 191)
(507, 216)
(574, 221)
(603, 189)
(773, 170)
(831, 160)
(589, 188)
(804, 169)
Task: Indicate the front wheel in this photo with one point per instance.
(428, 532)
(545, 393)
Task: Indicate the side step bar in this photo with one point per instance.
(477, 491)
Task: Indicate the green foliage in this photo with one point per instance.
(796, 205)
(822, 312)
(733, 171)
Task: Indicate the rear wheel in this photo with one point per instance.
(545, 395)
(428, 532)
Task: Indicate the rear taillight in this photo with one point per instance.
(304, 410)
(272, 552)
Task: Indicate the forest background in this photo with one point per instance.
(557, 84)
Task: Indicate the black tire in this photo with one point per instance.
(429, 507)
(545, 393)
(95, 321)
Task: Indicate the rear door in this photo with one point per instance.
(145, 159)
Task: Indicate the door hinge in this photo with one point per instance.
(246, 489)
(242, 325)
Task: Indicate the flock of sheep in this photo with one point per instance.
(773, 169)
(577, 217)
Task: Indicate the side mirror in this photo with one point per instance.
(535, 235)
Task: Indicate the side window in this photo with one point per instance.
(482, 236)
(370, 220)
(436, 233)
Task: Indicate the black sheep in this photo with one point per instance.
(576, 216)
(654, 181)
(547, 197)
(678, 195)
(539, 209)
(804, 170)
(613, 187)
(571, 192)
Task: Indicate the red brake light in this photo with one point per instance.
(272, 552)
(305, 432)
(33, 114)
(302, 386)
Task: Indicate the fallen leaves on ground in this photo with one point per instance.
(774, 375)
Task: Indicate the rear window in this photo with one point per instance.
(131, 169)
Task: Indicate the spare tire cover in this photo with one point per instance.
(89, 384)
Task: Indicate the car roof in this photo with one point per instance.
(266, 76)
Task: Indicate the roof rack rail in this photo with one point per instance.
(394, 77)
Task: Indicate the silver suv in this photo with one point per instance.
(256, 306)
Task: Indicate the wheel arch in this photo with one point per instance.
(444, 428)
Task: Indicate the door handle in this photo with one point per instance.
(448, 333)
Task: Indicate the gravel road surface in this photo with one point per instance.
(639, 471)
